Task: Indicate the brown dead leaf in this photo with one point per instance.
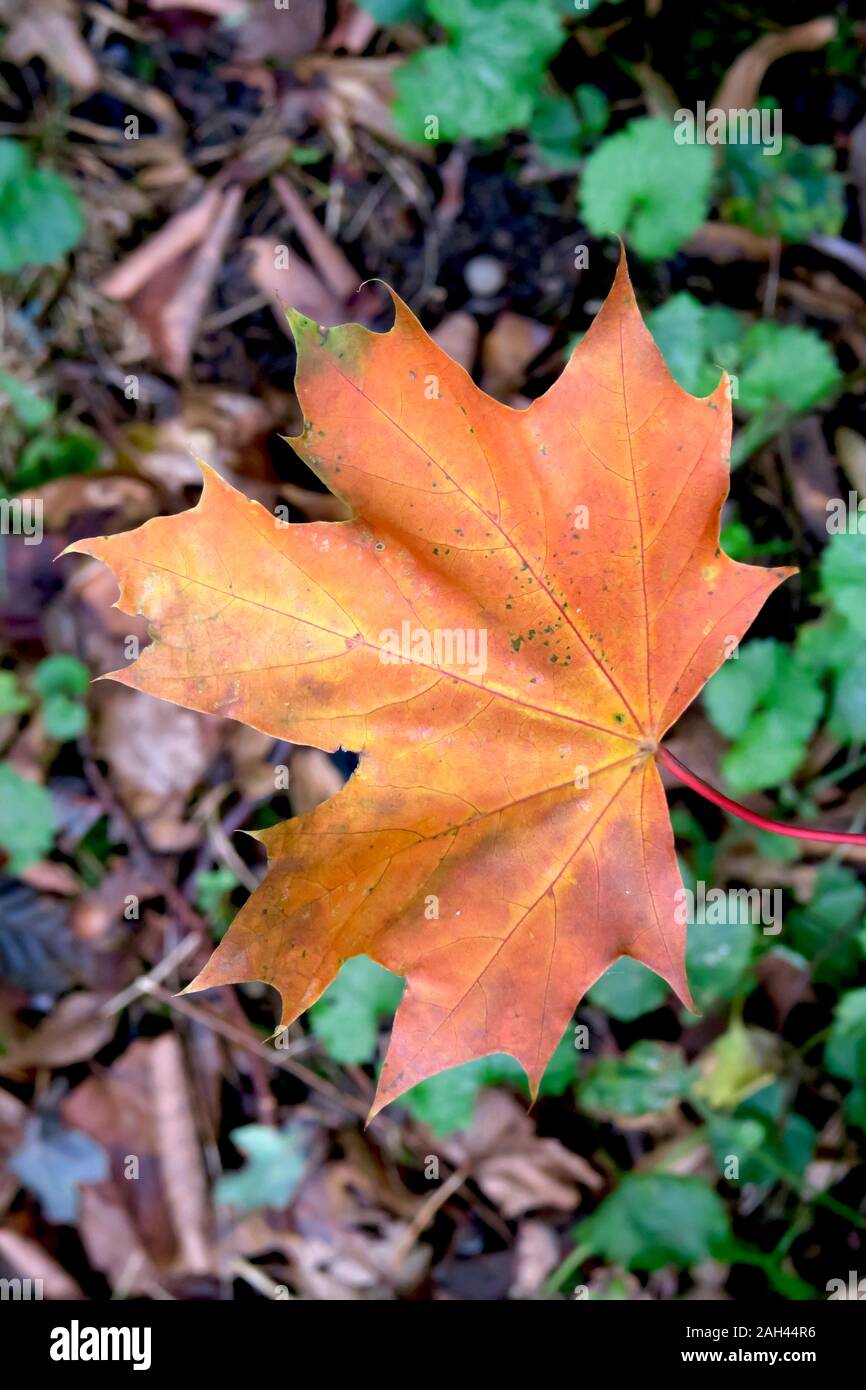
(785, 982)
(74, 1032)
(156, 755)
(274, 33)
(723, 243)
(313, 778)
(48, 29)
(13, 1118)
(140, 1229)
(508, 349)
(458, 335)
(168, 280)
(851, 452)
(812, 474)
(30, 1260)
(180, 1155)
(179, 235)
(516, 1169)
(346, 1246)
(224, 9)
(171, 307)
(127, 500)
(536, 1255)
(353, 30)
(742, 82)
(295, 284)
(337, 272)
(83, 620)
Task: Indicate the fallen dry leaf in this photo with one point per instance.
(149, 1221)
(508, 349)
(29, 1260)
(742, 82)
(48, 29)
(73, 1032)
(506, 837)
(157, 755)
(313, 778)
(516, 1169)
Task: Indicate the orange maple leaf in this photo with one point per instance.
(521, 606)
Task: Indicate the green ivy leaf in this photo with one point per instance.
(793, 194)
(848, 715)
(484, 81)
(61, 675)
(276, 1162)
(845, 1053)
(26, 820)
(627, 990)
(696, 340)
(651, 1077)
(13, 700)
(47, 457)
(40, 215)
(347, 1016)
(53, 1162)
(213, 890)
(657, 1219)
(394, 11)
(770, 703)
(766, 1148)
(30, 410)
(824, 930)
(843, 577)
(717, 958)
(639, 183)
(563, 125)
(446, 1102)
(783, 365)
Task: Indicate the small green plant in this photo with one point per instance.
(781, 370)
(27, 824)
(41, 218)
(771, 700)
(483, 81)
(563, 125)
(793, 194)
(641, 185)
(60, 684)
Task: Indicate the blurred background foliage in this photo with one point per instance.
(142, 318)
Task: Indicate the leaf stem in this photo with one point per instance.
(776, 827)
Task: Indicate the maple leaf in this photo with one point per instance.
(521, 606)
